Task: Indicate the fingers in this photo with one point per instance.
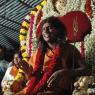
(23, 65)
(20, 66)
(26, 68)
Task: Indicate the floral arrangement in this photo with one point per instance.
(71, 5)
(25, 35)
(28, 35)
(89, 39)
(28, 43)
(82, 86)
(87, 47)
(22, 37)
(6, 87)
(37, 20)
(31, 21)
(90, 44)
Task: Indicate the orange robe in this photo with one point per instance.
(68, 52)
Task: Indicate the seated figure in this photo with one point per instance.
(34, 58)
(54, 53)
(9, 76)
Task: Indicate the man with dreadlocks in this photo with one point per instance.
(54, 53)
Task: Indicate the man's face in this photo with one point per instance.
(49, 33)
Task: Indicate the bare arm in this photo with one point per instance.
(64, 73)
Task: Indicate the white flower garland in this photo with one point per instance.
(71, 5)
(90, 40)
(25, 32)
(34, 39)
(90, 44)
(34, 27)
(27, 41)
(48, 10)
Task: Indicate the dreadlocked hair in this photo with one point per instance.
(58, 25)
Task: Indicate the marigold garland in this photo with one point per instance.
(22, 37)
(24, 30)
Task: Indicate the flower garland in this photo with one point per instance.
(71, 5)
(33, 25)
(87, 47)
(24, 42)
(29, 45)
(37, 20)
(88, 8)
(90, 40)
(48, 10)
(90, 44)
(22, 37)
(38, 68)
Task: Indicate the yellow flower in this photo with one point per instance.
(23, 47)
(43, 3)
(25, 59)
(23, 42)
(25, 31)
(25, 24)
(22, 37)
(19, 75)
(33, 12)
(24, 54)
(38, 7)
(22, 30)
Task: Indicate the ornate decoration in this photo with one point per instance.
(25, 34)
(75, 26)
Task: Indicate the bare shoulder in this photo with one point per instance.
(69, 49)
